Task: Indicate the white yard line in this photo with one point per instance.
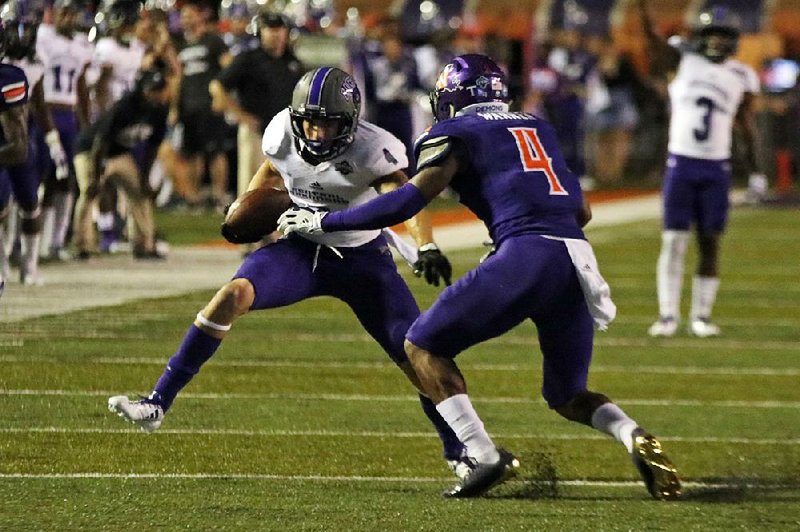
(402, 398)
(388, 434)
(379, 479)
(387, 366)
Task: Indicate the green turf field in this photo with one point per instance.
(301, 423)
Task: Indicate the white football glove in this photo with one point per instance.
(301, 220)
(57, 154)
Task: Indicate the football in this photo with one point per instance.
(254, 214)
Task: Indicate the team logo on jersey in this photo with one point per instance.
(389, 157)
(344, 167)
(14, 92)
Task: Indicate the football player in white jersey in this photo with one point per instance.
(327, 160)
(118, 55)
(710, 94)
(66, 54)
(117, 61)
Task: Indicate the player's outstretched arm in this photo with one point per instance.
(431, 262)
(384, 211)
(661, 52)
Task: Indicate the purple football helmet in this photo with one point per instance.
(466, 80)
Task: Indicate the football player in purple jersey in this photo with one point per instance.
(327, 158)
(507, 168)
(13, 129)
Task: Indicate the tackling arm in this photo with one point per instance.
(399, 205)
(419, 225)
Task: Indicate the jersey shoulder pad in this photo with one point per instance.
(13, 86)
(747, 73)
(277, 135)
(381, 152)
(104, 51)
(430, 150)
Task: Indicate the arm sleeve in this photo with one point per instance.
(384, 211)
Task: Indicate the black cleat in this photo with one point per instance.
(483, 477)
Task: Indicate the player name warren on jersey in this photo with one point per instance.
(339, 183)
(512, 156)
(705, 97)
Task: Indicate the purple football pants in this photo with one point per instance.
(527, 277)
(696, 192)
(365, 277)
(25, 178)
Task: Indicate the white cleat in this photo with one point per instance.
(144, 413)
(703, 328)
(664, 327)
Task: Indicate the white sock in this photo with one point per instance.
(105, 221)
(4, 266)
(48, 222)
(669, 272)
(30, 253)
(63, 217)
(462, 418)
(610, 419)
(704, 294)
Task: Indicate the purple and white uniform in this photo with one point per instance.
(356, 267)
(513, 177)
(518, 184)
(705, 97)
(64, 59)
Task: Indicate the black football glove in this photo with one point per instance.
(433, 265)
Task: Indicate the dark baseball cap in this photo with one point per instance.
(273, 19)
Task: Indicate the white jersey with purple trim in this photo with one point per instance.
(125, 62)
(34, 70)
(340, 183)
(705, 97)
(64, 60)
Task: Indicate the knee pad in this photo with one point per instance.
(581, 407)
(30, 221)
(674, 244)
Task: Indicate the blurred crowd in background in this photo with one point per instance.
(231, 65)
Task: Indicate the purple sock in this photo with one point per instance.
(196, 348)
(453, 448)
